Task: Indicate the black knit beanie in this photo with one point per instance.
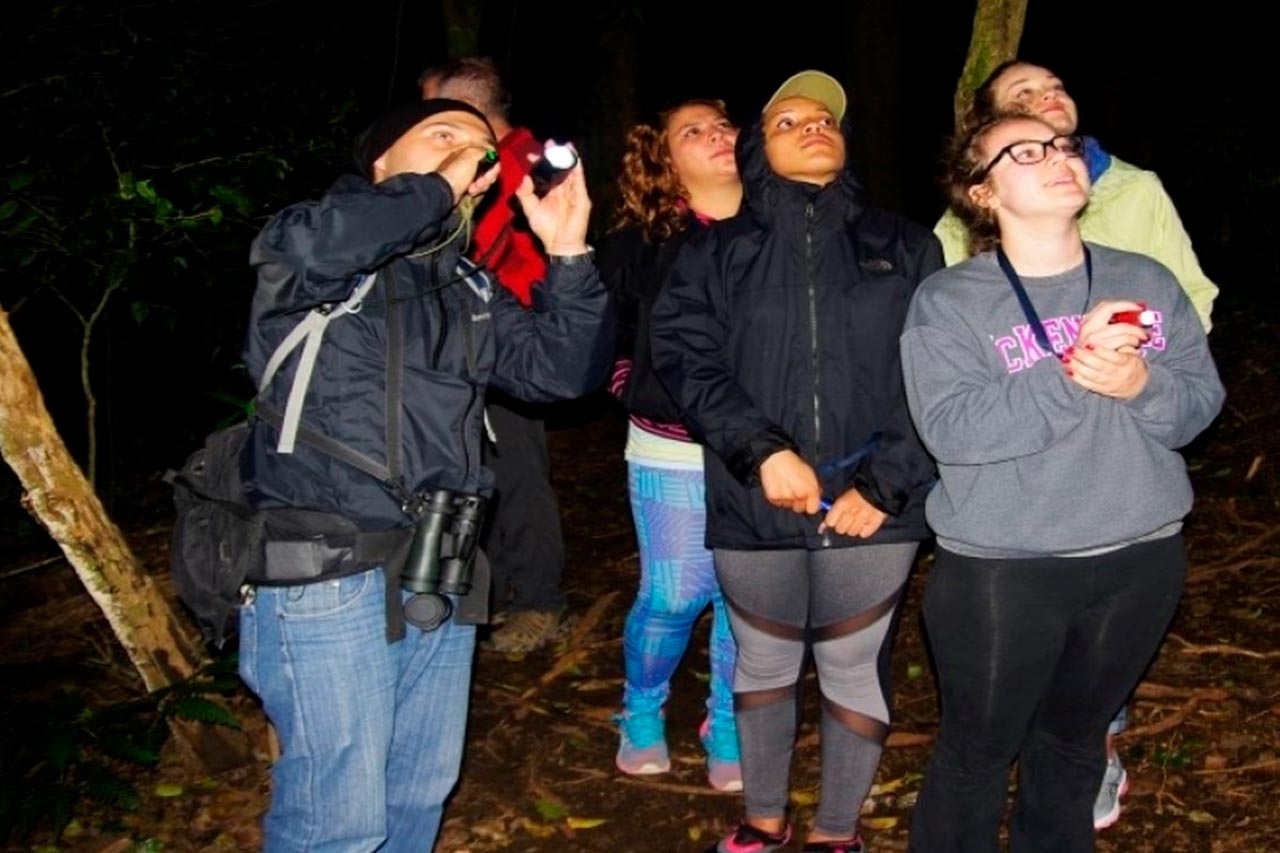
(375, 139)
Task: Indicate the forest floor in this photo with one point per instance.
(538, 772)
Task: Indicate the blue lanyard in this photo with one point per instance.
(1029, 310)
(847, 462)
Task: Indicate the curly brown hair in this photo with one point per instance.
(651, 197)
(964, 163)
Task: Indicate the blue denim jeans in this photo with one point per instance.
(371, 734)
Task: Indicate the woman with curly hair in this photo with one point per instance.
(678, 175)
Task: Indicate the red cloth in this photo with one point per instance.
(503, 242)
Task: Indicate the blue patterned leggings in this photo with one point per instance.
(677, 581)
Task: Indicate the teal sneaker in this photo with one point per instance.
(642, 747)
(720, 741)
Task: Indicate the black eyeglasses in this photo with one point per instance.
(1027, 152)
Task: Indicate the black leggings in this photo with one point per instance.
(1034, 656)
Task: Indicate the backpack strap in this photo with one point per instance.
(325, 444)
(308, 333)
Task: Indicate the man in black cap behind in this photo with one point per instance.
(384, 414)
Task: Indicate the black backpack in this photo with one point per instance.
(217, 538)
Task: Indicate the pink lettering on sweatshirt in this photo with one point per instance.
(1019, 351)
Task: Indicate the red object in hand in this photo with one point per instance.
(1143, 317)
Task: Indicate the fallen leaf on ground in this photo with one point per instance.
(886, 822)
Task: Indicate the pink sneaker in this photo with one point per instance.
(745, 838)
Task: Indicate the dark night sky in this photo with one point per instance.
(1171, 90)
(1168, 89)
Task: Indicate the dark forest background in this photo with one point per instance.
(145, 142)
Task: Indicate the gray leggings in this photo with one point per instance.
(842, 601)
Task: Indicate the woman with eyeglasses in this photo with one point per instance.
(1128, 209)
(1053, 380)
(1128, 206)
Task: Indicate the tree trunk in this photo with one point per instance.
(60, 498)
(997, 30)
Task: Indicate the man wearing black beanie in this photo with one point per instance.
(370, 431)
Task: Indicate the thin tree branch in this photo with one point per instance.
(1190, 648)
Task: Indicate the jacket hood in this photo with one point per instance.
(766, 191)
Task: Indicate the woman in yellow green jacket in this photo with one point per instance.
(1128, 207)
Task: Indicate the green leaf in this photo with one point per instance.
(146, 191)
(25, 222)
(9, 208)
(139, 310)
(215, 215)
(168, 790)
(126, 186)
(550, 809)
(62, 751)
(129, 749)
(201, 711)
(99, 783)
(231, 197)
(18, 180)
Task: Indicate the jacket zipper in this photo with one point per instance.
(813, 324)
(469, 343)
(813, 339)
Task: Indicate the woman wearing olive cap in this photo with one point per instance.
(777, 334)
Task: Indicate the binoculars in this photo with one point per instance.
(441, 555)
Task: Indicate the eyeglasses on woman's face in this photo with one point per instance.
(1028, 152)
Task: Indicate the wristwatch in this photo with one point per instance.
(572, 260)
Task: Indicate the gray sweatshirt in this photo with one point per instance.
(1031, 463)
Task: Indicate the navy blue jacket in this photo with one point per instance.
(455, 343)
(778, 329)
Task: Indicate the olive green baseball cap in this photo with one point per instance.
(816, 86)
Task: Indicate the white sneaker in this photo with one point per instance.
(1115, 784)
